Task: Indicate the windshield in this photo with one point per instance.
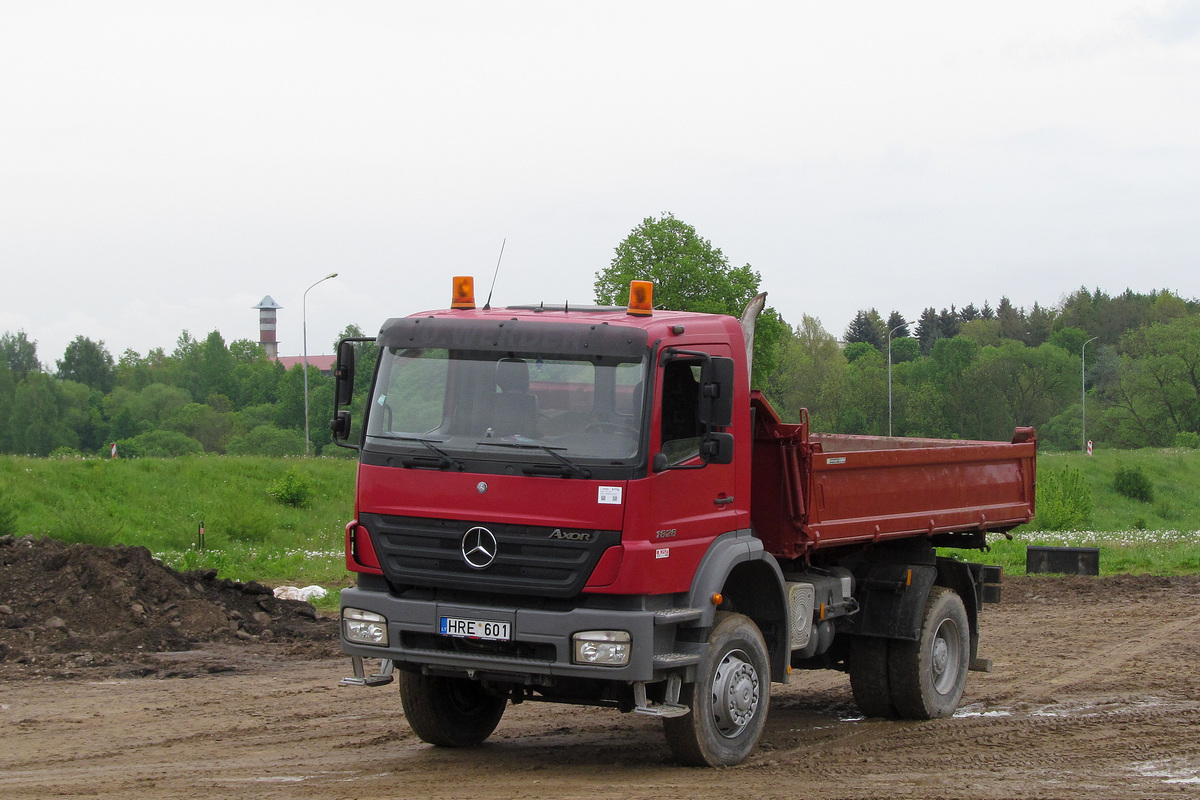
(451, 404)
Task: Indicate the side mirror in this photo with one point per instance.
(717, 448)
(344, 373)
(340, 425)
(716, 392)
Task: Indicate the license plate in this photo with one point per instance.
(475, 628)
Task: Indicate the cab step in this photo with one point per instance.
(361, 678)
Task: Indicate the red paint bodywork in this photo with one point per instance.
(801, 492)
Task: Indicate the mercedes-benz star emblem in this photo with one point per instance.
(479, 547)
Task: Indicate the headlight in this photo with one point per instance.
(602, 648)
(364, 627)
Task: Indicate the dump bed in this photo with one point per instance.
(813, 491)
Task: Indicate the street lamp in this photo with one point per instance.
(893, 330)
(1083, 386)
(304, 336)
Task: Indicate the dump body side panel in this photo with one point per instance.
(808, 496)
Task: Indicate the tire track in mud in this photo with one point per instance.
(1110, 658)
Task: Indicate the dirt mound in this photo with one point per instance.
(75, 605)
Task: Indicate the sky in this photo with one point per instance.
(165, 165)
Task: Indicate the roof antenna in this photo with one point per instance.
(488, 305)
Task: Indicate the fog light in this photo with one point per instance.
(364, 627)
(602, 648)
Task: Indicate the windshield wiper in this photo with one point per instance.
(570, 465)
(444, 460)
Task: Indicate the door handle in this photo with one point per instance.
(723, 501)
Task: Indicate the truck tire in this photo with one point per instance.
(869, 679)
(449, 712)
(728, 702)
(928, 676)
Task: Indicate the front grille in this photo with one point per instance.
(415, 551)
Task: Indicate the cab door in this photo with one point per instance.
(692, 501)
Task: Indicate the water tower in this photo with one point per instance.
(266, 327)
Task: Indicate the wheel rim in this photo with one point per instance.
(735, 693)
(946, 657)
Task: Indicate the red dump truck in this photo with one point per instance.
(589, 505)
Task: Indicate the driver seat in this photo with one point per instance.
(514, 409)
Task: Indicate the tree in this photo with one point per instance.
(948, 323)
(216, 366)
(689, 274)
(1156, 393)
(1012, 320)
(89, 363)
(906, 349)
(35, 424)
(1022, 385)
(203, 423)
(20, 353)
(865, 328)
(1041, 323)
(927, 330)
(982, 331)
(245, 351)
(866, 387)
(1069, 339)
(898, 324)
(82, 411)
(8, 388)
(958, 398)
(811, 373)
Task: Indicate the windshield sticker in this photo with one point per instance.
(609, 495)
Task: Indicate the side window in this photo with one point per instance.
(415, 393)
(681, 427)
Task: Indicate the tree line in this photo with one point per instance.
(204, 396)
(974, 372)
(979, 378)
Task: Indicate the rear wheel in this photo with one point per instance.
(928, 676)
(729, 700)
(450, 712)
(869, 676)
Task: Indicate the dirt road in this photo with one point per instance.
(1095, 693)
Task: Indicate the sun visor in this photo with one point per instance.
(516, 336)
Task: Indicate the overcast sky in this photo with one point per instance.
(164, 165)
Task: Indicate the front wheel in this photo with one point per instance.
(449, 712)
(728, 701)
(927, 677)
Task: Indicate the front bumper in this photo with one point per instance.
(543, 636)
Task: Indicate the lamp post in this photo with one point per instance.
(893, 330)
(1083, 386)
(304, 337)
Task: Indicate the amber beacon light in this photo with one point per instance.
(641, 298)
(463, 292)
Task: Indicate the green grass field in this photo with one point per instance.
(1161, 537)
(160, 503)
